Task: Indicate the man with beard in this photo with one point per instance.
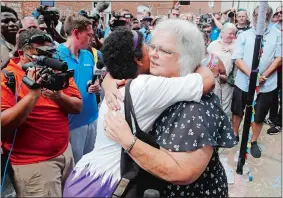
(9, 31)
(270, 60)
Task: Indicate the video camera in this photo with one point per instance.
(94, 17)
(231, 14)
(50, 15)
(118, 21)
(206, 18)
(53, 72)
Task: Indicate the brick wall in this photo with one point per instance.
(25, 8)
(162, 8)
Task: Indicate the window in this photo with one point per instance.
(211, 3)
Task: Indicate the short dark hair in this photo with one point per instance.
(205, 25)
(26, 35)
(76, 22)
(119, 53)
(8, 9)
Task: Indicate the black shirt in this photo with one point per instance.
(242, 29)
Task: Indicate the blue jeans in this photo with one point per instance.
(82, 140)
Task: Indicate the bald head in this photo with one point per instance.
(29, 22)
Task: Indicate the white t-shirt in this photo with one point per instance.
(151, 95)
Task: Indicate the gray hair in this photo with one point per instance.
(227, 26)
(269, 12)
(27, 19)
(190, 43)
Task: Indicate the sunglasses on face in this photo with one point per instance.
(280, 12)
(207, 31)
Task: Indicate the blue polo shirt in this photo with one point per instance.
(244, 49)
(84, 69)
(214, 33)
(147, 37)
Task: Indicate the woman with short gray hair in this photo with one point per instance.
(188, 134)
(223, 48)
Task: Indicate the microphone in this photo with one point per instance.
(99, 64)
(151, 193)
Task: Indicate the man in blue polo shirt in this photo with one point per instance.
(82, 126)
(270, 60)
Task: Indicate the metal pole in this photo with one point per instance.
(260, 28)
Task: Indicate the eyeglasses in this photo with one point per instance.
(207, 31)
(152, 47)
(280, 12)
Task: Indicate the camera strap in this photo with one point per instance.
(11, 82)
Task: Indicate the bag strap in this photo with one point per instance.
(129, 108)
(11, 82)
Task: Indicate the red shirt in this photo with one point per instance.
(45, 133)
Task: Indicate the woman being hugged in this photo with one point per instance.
(188, 133)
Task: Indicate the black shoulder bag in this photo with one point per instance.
(134, 180)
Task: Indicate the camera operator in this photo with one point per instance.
(54, 25)
(83, 126)
(242, 21)
(146, 31)
(41, 157)
(122, 18)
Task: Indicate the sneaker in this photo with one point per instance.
(274, 130)
(255, 150)
(268, 121)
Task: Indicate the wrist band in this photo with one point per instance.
(131, 146)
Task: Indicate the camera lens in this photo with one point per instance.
(231, 14)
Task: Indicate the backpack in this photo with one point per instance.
(11, 81)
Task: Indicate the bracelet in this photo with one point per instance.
(131, 146)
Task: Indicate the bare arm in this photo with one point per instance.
(274, 65)
(175, 167)
(222, 72)
(217, 23)
(15, 116)
(180, 168)
(242, 66)
(72, 105)
(207, 79)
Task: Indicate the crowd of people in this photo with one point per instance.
(146, 103)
